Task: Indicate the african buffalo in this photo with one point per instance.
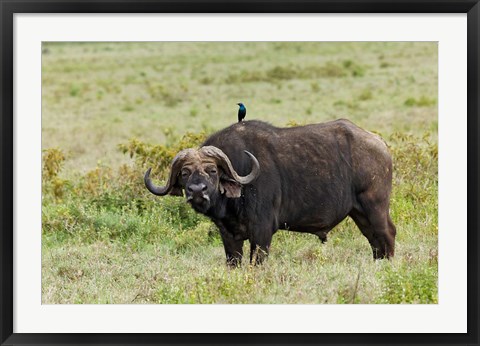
(252, 179)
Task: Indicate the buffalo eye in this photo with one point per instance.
(185, 173)
(212, 170)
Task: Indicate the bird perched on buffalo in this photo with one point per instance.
(242, 112)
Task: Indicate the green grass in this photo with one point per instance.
(110, 110)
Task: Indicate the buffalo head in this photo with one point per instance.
(203, 174)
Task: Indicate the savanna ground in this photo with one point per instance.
(111, 110)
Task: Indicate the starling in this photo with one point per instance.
(242, 112)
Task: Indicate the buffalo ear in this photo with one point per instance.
(176, 189)
(231, 188)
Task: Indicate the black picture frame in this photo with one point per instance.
(9, 8)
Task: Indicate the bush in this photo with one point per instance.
(415, 166)
(406, 285)
(160, 156)
(421, 102)
(52, 185)
(282, 73)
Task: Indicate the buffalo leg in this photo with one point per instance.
(392, 231)
(233, 250)
(384, 235)
(376, 225)
(322, 235)
(364, 225)
(260, 243)
(233, 246)
(258, 253)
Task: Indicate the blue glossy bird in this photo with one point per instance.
(242, 112)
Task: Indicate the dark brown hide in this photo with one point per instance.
(311, 177)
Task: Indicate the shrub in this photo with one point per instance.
(409, 285)
(281, 73)
(160, 156)
(365, 95)
(53, 160)
(415, 165)
(421, 102)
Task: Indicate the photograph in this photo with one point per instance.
(239, 172)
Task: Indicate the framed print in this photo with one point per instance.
(239, 173)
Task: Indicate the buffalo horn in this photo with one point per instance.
(224, 161)
(175, 169)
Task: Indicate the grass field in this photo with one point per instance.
(110, 110)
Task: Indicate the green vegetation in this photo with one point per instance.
(111, 110)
